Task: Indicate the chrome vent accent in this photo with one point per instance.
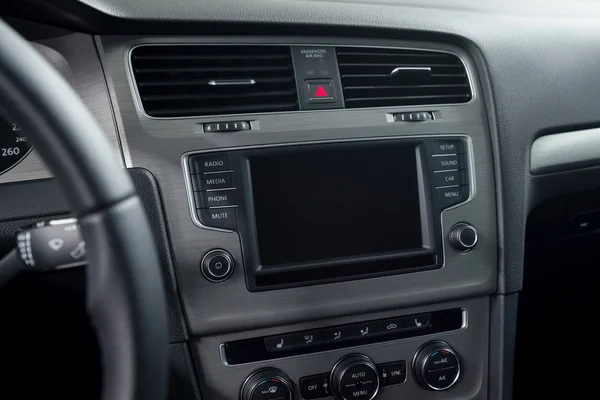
(197, 80)
(382, 77)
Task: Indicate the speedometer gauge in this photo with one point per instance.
(14, 146)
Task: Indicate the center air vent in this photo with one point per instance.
(196, 80)
(381, 77)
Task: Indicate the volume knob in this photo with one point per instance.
(463, 237)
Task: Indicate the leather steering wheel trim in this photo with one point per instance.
(125, 293)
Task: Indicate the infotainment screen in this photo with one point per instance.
(328, 202)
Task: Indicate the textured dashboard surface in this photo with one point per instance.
(540, 58)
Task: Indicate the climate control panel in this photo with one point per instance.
(436, 367)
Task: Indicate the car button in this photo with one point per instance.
(449, 178)
(444, 162)
(210, 163)
(215, 198)
(392, 373)
(451, 196)
(308, 338)
(279, 343)
(211, 181)
(223, 218)
(314, 387)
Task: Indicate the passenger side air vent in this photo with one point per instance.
(381, 77)
(196, 80)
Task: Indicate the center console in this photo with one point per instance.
(329, 245)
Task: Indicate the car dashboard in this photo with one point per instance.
(343, 186)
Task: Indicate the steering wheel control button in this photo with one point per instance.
(267, 384)
(315, 386)
(436, 366)
(212, 181)
(392, 373)
(217, 265)
(223, 218)
(463, 237)
(355, 377)
(320, 91)
(215, 198)
(279, 343)
(210, 163)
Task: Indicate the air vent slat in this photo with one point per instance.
(197, 80)
(376, 77)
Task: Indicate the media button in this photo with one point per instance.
(210, 163)
(211, 181)
(308, 338)
(445, 162)
(279, 343)
(223, 218)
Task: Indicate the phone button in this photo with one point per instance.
(279, 343)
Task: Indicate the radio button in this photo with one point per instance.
(215, 198)
(223, 218)
(449, 178)
(210, 163)
(451, 196)
(442, 162)
(218, 180)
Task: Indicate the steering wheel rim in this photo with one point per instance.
(125, 294)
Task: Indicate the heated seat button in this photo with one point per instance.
(320, 91)
(223, 218)
(392, 373)
(215, 198)
(210, 163)
(308, 338)
(314, 387)
(211, 181)
(279, 343)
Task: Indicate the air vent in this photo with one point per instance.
(376, 77)
(195, 80)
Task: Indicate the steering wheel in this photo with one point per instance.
(125, 295)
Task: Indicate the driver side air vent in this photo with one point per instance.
(382, 77)
(197, 80)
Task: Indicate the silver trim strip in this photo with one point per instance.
(190, 191)
(565, 151)
(141, 110)
(232, 82)
(400, 69)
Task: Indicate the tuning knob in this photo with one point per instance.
(355, 377)
(463, 237)
(267, 384)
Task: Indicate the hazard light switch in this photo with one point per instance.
(320, 91)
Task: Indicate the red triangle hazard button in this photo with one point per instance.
(320, 92)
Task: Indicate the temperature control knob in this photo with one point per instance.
(267, 384)
(463, 237)
(436, 366)
(355, 377)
